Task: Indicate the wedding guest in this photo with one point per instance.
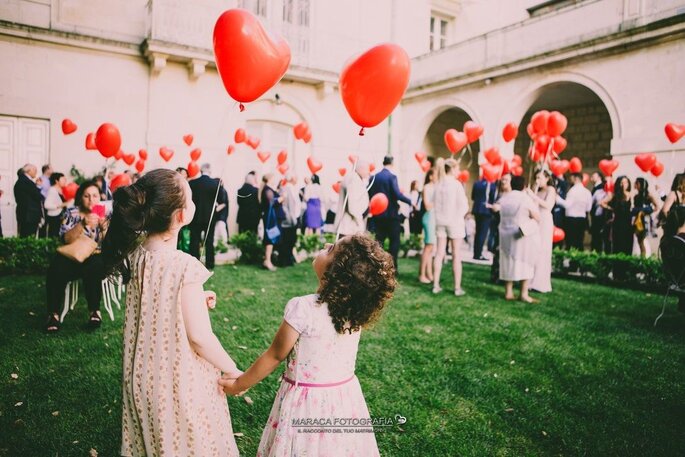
(674, 200)
(644, 204)
(503, 188)
(54, 204)
(519, 239)
(600, 238)
(415, 225)
(29, 201)
(272, 215)
(353, 201)
(205, 189)
(171, 357)
(577, 204)
(313, 220)
(620, 205)
(45, 183)
(482, 193)
(544, 197)
(318, 339)
(292, 208)
(428, 222)
(451, 205)
(248, 204)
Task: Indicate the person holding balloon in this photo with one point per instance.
(545, 197)
(353, 201)
(55, 203)
(644, 204)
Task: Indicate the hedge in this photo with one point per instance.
(26, 255)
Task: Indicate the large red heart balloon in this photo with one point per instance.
(645, 161)
(455, 140)
(657, 169)
(556, 123)
(142, 153)
(539, 121)
(240, 136)
(493, 156)
(263, 156)
(283, 168)
(193, 169)
(608, 166)
(108, 139)
(68, 127)
(575, 165)
(300, 130)
(90, 142)
(69, 191)
(473, 131)
(491, 173)
(378, 204)
(420, 157)
(195, 154)
(129, 159)
(140, 166)
(166, 153)
(510, 131)
(118, 181)
(336, 187)
(373, 84)
(425, 166)
(674, 132)
(558, 235)
(314, 165)
(282, 157)
(249, 61)
(463, 176)
(559, 144)
(188, 139)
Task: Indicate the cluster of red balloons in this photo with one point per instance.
(496, 166)
(545, 131)
(282, 158)
(648, 163)
(456, 141)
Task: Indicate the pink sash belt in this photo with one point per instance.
(311, 384)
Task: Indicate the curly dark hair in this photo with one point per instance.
(358, 283)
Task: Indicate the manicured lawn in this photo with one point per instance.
(582, 373)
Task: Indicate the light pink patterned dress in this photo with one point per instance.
(321, 356)
(171, 403)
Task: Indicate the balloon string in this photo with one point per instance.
(361, 132)
(242, 107)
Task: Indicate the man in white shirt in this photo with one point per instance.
(353, 201)
(577, 204)
(598, 216)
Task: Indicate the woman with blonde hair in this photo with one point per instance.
(450, 207)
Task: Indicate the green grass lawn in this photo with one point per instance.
(582, 373)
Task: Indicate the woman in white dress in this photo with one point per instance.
(544, 197)
(519, 239)
(450, 207)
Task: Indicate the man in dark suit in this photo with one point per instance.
(388, 223)
(29, 201)
(482, 193)
(204, 191)
(248, 205)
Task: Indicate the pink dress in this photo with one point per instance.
(319, 396)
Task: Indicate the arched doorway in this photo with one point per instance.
(434, 141)
(589, 130)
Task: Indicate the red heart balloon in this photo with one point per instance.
(342, 171)
(140, 166)
(674, 132)
(129, 159)
(230, 150)
(517, 170)
(425, 166)
(372, 168)
(263, 156)
(253, 142)
(510, 131)
(556, 123)
(372, 85)
(491, 173)
(68, 127)
(575, 165)
(142, 153)
(307, 137)
(314, 165)
(283, 168)
(120, 180)
(531, 131)
(473, 131)
(300, 130)
(282, 157)
(516, 160)
(108, 140)
(586, 179)
(166, 153)
(378, 204)
(559, 145)
(464, 176)
(240, 136)
(657, 169)
(69, 191)
(420, 157)
(193, 169)
(188, 139)
(559, 167)
(119, 155)
(493, 156)
(539, 121)
(645, 161)
(455, 140)
(195, 154)
(542, 144)
(90, 142)
(249, 61)
(608, 166)
(558, 235)
(336, 187)
(353, 158)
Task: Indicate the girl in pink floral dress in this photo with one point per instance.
(320, 395)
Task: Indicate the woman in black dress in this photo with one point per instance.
(272, 214)
(620, 205)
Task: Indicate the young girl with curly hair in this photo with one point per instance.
(319, 336)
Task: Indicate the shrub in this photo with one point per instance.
(26, 255)
(251, 249)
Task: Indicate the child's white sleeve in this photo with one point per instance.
(297, 314)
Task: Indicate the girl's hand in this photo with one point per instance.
(210, 299)
(228, 384)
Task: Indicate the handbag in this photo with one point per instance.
(273, 233)
(79, 249)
